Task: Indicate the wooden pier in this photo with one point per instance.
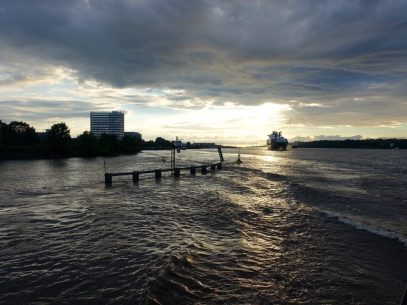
(176, 172)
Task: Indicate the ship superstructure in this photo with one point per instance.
(276, 141)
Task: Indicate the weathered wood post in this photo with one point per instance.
(157, 174)
(204, 169)
(136, 176)
(108, 178)
(192, 170)
(213, 167)
(220, 154)
(219, 165)
(177, 172)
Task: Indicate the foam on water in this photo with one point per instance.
(359, 224)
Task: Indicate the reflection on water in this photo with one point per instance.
(250, 234)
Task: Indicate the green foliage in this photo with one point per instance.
(17, 134)
(23, 133)
(108, 144)
(58, 139)
(5, 134)
(129, 145)
(162, 143)
(59, 132)
(87, 145)
(19, 140)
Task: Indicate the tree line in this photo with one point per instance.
(20, 140)
(366, 143)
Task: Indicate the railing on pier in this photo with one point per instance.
(175, 171)
(157, 172)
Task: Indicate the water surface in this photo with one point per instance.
(307, 226)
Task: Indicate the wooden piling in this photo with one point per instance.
(108, 179)
(220, 154)
(157, 174)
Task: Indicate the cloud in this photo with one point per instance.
(37, 110)
(348, 59)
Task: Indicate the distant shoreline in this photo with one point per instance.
(15, 156)
(5, 156)
(354, 144)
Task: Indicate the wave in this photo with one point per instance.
(367, 227)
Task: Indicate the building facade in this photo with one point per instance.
(107, 122)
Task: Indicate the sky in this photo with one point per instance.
(229, 71)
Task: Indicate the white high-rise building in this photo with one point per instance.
(107, 122)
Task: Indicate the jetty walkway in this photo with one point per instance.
(176, 172)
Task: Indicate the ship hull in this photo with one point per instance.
(277, 146)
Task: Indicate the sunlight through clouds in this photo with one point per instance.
(218, 69)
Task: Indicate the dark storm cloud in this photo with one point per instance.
(247, 52)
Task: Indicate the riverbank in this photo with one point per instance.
(360, 144)
(21, 155)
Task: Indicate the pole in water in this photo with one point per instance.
(238, 161)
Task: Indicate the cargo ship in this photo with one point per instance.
(276, 141)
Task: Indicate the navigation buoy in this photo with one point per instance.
(238, 161)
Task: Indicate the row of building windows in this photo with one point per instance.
(107, 122)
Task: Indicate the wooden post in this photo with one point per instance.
(219, 165)
(213, 167)
(136, 176)
(172, 159)
(108, 179)
(204, 170)
(220, 154)
(177, 172)
(157, 174)
(192, 170)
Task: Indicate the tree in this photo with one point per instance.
(162, 143)
(23, 134)
(108, 144)
(2, 132)
(129, 144)
(87, 144)
(58, 138)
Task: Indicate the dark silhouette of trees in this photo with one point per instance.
(22, 133)
(58, 139)
(87, 145)
(5, 134)
(18, 140)
(108, 144)
(162, 143)
(17, 134)
(129, 145)
(366, 143)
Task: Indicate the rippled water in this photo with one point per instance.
(307, 226)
